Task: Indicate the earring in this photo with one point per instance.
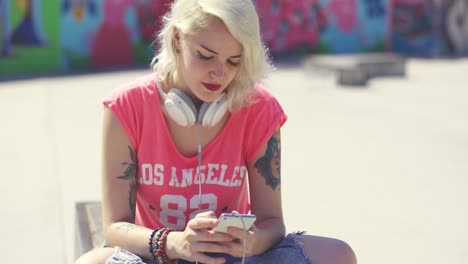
(177, 51)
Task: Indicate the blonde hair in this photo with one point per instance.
(240, 18)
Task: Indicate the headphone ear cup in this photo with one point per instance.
(211, 113)
(180, 108)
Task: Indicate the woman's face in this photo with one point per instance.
(208, 61)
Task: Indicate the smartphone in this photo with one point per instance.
(235, 220)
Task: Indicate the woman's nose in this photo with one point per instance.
(218, 71)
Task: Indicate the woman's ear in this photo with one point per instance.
(176, 40)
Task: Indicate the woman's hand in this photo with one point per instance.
(197, 239)
(237, 245)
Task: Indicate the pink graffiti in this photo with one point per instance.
(112, 46)
(287, 25)
(115, 11)
(150, 15)
(345, 13)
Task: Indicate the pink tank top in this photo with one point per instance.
(168, 189)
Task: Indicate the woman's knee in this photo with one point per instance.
(344, 252)
(96, 256)
(324, 250)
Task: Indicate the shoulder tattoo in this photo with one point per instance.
(131, 174)
(269, 166)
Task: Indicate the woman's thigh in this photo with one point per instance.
(96, 256)
(295, 248)
(325, 250)
(288, 250)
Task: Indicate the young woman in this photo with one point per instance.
(199, 137)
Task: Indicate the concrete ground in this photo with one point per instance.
(384, 168)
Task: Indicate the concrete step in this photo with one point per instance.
(357, 69)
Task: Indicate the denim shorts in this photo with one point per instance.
(288, 250)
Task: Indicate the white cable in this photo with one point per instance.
(244, 235)
(199, 154)
(199, 149)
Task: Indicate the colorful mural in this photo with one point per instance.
(116, 33)
(5, 42)
(455, 28)
(289, 25)
(430, 28)
(150, 14)
(112, 46)
(412, 27)
(326, 26)
(29, 37)
(38, 36)
(355, 26)
(29, 31)
(79, 23)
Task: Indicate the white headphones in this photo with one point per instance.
(182, 110)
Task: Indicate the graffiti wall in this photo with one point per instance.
(39, 36)
(324, 26)
(108, 33)
(430, 27)
(4, 29)
(414, 24)
(29, 41)
(454, 29)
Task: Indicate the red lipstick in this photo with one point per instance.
(211, 86)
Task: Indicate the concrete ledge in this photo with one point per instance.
(357, 69)
(89, 232)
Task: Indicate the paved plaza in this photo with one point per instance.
(384, 167)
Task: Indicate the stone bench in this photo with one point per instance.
(89, 232)
(357, 69)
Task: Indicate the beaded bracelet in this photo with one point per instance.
(152, 243)
(160, 246)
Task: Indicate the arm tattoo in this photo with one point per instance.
(131, 173)
(126, 227)
(269, 166)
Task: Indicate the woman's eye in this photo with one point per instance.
(205, 58)
(233, 63)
